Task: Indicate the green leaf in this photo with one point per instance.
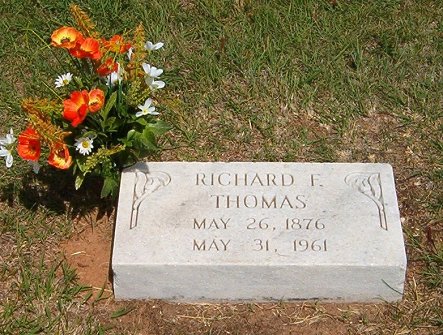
(130, 138)
(79, 181)
(91, 134)
(109, 122)
(120, 312)
(111, 102)
(110, 187)
(81, 161)
(78, 82)
(136, 140)
(141, 121)
(86, 298)
(131, 134)
(159, 127)
(148, 140)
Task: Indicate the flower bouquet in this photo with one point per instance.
(105, 114)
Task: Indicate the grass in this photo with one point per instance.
(247, 80)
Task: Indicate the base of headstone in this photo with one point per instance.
(213, 232)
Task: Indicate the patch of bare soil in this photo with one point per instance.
(89, 252)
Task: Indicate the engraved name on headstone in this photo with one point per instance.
(191, 231)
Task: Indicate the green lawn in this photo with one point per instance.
(345, 81)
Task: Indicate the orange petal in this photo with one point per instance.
(107, 67)
(29, 147)
(60, 157)
(96, 100)
(66, 37)
(76, 107)
(88, 48)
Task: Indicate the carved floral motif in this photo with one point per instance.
(146, 183)
(369, 184)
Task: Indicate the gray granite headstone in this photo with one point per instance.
(191, 231)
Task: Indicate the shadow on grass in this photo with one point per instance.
(54, 191)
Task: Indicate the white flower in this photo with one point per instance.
(148, 46)
(130, 52)
(8, 139)
(152, 71)
(115, 77)
(154, 84)
(84, 145)
(4, 152)
(6, 144)
(63, 80)
(146, 109)
(151, 46)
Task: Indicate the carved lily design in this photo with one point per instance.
(369, 184)
(145, 184)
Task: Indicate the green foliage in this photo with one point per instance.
(100, 142)
(434, 268)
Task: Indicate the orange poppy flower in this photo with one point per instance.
(60, 157)
(96, 100)
(116, 44)
(88, 48)
(107, 67)
(76, 107)
(29, 144)
(66, 37)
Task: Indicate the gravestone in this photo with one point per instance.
(191, 231)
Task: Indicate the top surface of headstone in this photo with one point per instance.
(258, 213)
